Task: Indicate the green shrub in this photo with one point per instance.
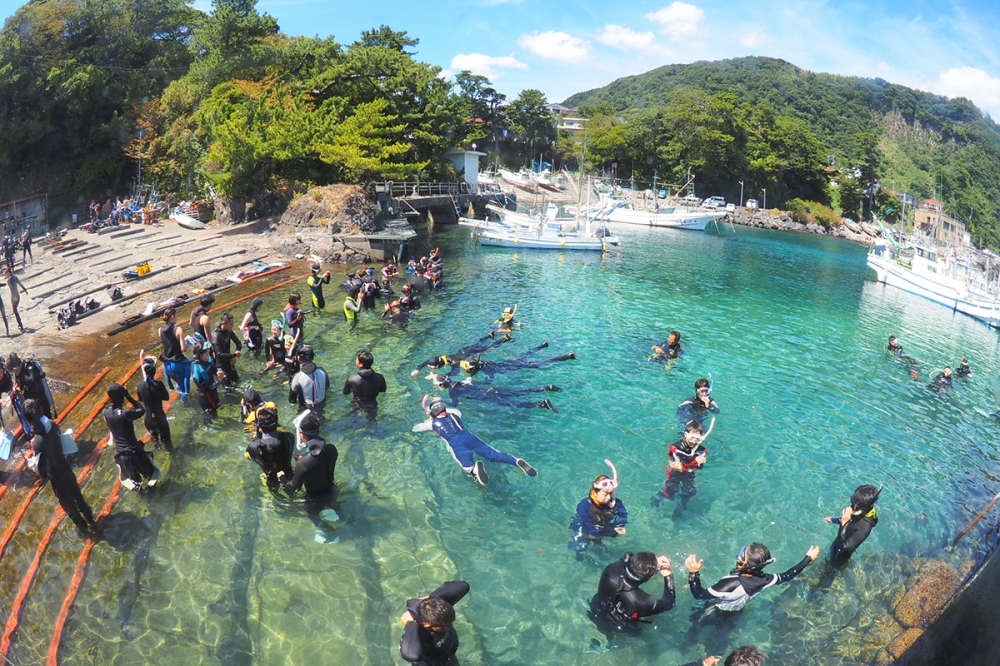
(811, 212)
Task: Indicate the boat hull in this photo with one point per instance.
(545, 243)
(692, 221)
(948, 295)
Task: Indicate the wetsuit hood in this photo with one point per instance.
(308, 368)
(116, 393)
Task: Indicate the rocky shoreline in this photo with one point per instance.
(780, 221)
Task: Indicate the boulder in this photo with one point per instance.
(933, 585)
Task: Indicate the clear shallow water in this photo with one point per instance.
(210, 569)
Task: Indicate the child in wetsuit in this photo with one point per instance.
(685, 457)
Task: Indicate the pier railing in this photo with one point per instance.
(398, 190)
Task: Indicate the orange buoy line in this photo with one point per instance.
(78, 573)
(262, 291)
(16, 518)
(66, 410)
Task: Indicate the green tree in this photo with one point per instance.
(852, 195)
(532, 122)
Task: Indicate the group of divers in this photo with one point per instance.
(302, 460)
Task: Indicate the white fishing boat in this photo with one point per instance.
(185, 220)
(942, 277)
(519, 180)
(694, 219)
(519, 230)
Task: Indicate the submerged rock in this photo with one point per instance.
(934, 584)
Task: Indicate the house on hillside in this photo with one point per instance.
(559, 109)
(930, 221)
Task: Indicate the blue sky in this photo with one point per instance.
(560, 47)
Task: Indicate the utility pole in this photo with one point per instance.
(764, 190)
(741, 194)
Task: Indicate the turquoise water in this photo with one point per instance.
(210, 569)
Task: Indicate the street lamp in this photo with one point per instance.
(764, 190)
(741, 194)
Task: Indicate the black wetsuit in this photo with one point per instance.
(254, 334)
(52, 465)
(273, 452)
(365, 384)
(152, 395)
(498, 396)
(620, 605)
(693, 409)
(963, 370)
(732, 592)
(33, 385)
(420, 284)
(275, 351)
(422, 646)
(409, 302)
(671, 351)
(681, 482)
(851, 536)
(196, 326)
(940, 382)
(369, 291)
(526, 361)
(130, 455)
(469, 352)
(224, 356)
(314, 470)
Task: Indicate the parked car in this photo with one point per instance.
(730, 208)
(714, 202)
(751, 203)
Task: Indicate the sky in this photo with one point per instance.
(562, 47)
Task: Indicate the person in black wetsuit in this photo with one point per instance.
(176, 366)
(469, 352)
(395, 314)
(942, 381)
(200, 321)
(253, 330)
(745, 655)
(619, 605)
(429, 636)
(419, 282)
(315, 282)
(365, 384)
(731, 593)
(133, 461)
(152, 395)
(963, 368)
(498, 396)
(670, 348)
(409, 301)
(225, 357)
(698, 407)
(685, 457)
(52, 465)
(274, 348)
(314, 470)
(32, 384)
(272, 448)
(523, 362)
(856, 523)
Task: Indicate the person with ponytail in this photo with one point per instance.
(152, 394)
(135, 464)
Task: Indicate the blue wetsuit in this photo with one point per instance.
(463, 444)
(176, 367)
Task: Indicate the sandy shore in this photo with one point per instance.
(89, 262)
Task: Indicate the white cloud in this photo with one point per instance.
(552, 45)
(678, 20)
(972, 83)
(626, 39)
(484, 65)
(755, 38)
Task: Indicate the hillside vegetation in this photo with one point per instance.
(903, 139)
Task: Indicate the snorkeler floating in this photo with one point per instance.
(467, 353)
(496, 395)
(523, 362)
(447, 423)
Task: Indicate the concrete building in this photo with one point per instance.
(930, 220)
(466, 162)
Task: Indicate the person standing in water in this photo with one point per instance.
(856, 523)
(222, 338)
(600, 515)
(15, 298)
(685, 457)
(429, 636)
(253, 330)
(176, 366)
(697, 407)
(315, 282)
(619, 605)
(365, 384)
(671, 348)
(294, 318)
(134, 463)
(47, 449)
(152, 395)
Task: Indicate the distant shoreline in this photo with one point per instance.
(762, 219)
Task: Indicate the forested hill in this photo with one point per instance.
(927, 144)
